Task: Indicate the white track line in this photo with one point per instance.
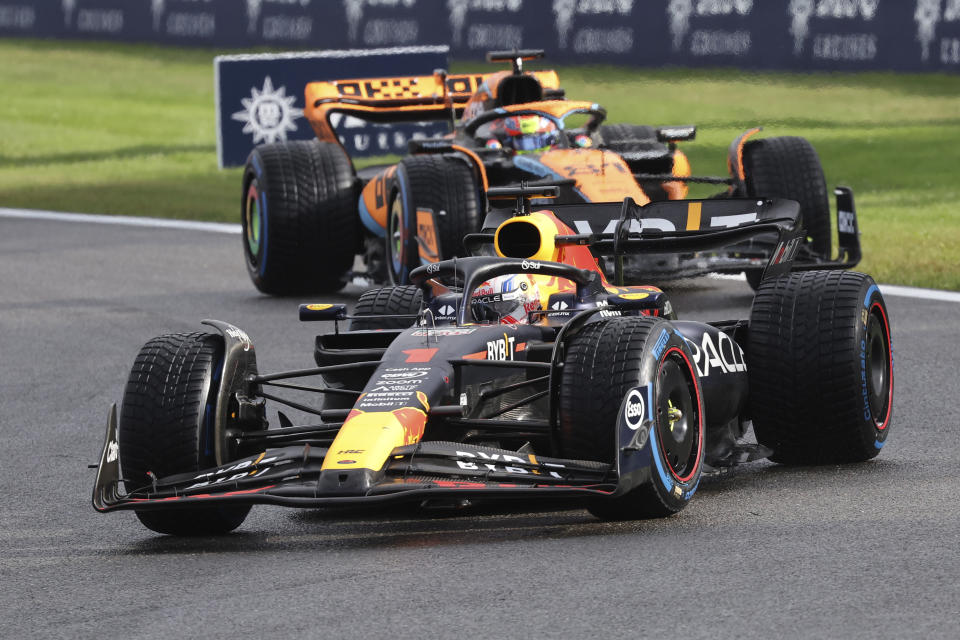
(223, 227)
(915, 292)
(131, 221)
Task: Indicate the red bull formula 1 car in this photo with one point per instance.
(524, 374)
(307, 212)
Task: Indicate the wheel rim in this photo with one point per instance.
(678, 422)
(395, 239)
(878, 365)
(252, 216)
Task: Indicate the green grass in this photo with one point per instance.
(129, 129)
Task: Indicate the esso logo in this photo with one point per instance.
(634, 409)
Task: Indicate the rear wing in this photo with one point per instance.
(691, 226)
(683, 226)
(397, 99)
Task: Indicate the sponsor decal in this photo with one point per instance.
(709, 42)
(107, 21)
(185, 24)
(268, 113)
(22, 17)
(833, 46)
(634, 296)
(845, 222)
(113, 451)
(318, 307)
(927, 16)
(381, 31)
(350, 452)
(396, 385)
(662, 224)
(433, 267)
(634, 409)
(244, 469)
(446, 311)
(241, 335)
(444, 332)
(867, 414)
(501, 348)
(529, 264)
(636, 226)
(282, 26)
(346, 462)
(480, 461)
(592, 39)
(661, 343)
(734, 220)
(607, 313)
(480, 35)
(725, 356)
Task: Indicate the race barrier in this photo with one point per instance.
(260, 96)
(849, 35)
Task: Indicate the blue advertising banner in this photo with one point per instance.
(803, 35)
(260, 98)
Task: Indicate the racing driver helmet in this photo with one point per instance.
(506, 299)
(526, 133)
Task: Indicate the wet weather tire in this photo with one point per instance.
(820, 367)
(399, 300)
(789, 167)
(166, 427)
(443, 184)
(605, 371)
(299, 217)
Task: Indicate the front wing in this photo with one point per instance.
(293, 476)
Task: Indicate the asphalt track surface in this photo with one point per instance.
(857, 551)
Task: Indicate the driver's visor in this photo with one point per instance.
(535, 141)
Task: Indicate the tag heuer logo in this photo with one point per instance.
(269, 113)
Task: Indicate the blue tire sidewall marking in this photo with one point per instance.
(264, 218)
(666, 479)
(404, 271)
(210, 409)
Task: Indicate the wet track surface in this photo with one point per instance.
(856, 551)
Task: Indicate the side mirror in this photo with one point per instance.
(315, 312)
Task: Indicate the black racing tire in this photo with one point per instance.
(447, 186)
(299, 215)
(604, 367)
(375, 303)
(820, 367)
(166, 427)
(789, 167)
